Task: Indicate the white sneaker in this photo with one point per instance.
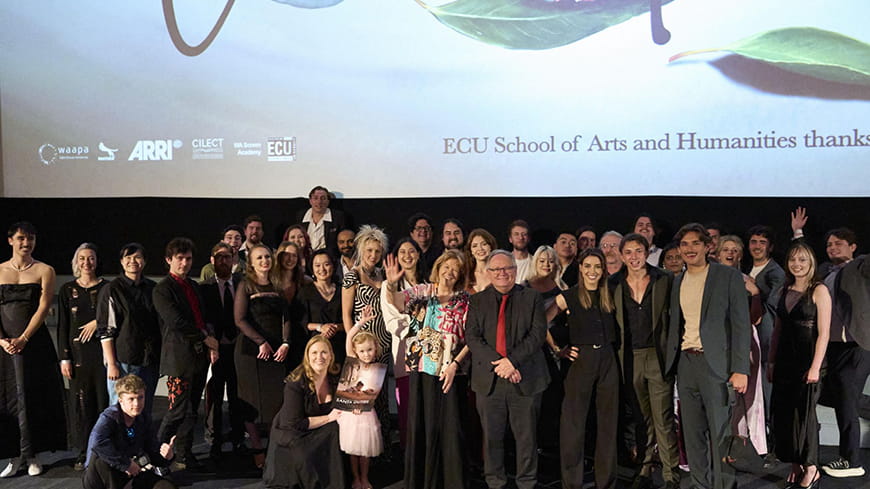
(34, 468)
(10, 469)
(842, 468)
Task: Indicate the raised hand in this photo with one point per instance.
(366, 315)
(392, 269)
(798, 218)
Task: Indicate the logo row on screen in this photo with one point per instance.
(272, 149)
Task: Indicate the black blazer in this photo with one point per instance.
(725, 329)
(526, 332)
(221, 320)
(661, 281)
(853, 297)
(768, 281)
(183, 351)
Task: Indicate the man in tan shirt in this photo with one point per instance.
(708, 343)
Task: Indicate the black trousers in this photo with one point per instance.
(87, 392)
(506, 404)
(180, 418)
(848, 366)
(100, 475)
(223, 374)
(594, 371)
(435, 448)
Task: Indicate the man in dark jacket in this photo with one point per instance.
(505, 330)
(119, 440)
(188, 345)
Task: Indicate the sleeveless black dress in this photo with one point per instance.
(793, 401)
(34, 375)
(261, 382)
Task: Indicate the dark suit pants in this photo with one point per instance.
(223, 373)
(655, 397)
(848, 366)
(100, 475)
(705, 407)
(506, 404)
(180, 418)
(594, 371)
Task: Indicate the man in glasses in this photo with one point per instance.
(505, 330)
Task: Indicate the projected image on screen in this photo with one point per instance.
(442, 98)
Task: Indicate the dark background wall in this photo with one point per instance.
(110, 222)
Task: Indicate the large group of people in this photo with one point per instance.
(669, 351)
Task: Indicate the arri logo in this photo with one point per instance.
(154, 150)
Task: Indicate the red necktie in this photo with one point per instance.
(500, 336)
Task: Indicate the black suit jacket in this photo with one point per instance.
(725, 329)
(526, 331)
(853, 298)
(661, 282)
(220, 318)
(183, 351)
(768, 281)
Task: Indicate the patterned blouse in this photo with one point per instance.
(436, 331)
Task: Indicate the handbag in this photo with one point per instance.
(740, 453)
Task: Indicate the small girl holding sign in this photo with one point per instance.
(359, 429)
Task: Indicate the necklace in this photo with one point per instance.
(327, 289)
(22, 269)
(373, 274)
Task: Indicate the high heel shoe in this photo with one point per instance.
(815, 484)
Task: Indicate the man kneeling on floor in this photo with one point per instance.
(122, 448)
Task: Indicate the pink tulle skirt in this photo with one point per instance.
(360, 434)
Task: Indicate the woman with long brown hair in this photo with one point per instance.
(593, 336)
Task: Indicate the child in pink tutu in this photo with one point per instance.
(360, 431)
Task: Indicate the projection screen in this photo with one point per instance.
(374, 98)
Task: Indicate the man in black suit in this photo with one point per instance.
(188, 345)
(641, 296)
(218, 294)
(505, 330)
(710, 336)
(847, 356)
(321, 222)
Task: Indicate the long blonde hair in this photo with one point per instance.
(305, 370)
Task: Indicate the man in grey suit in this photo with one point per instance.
(708, 341)
(505, 330)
